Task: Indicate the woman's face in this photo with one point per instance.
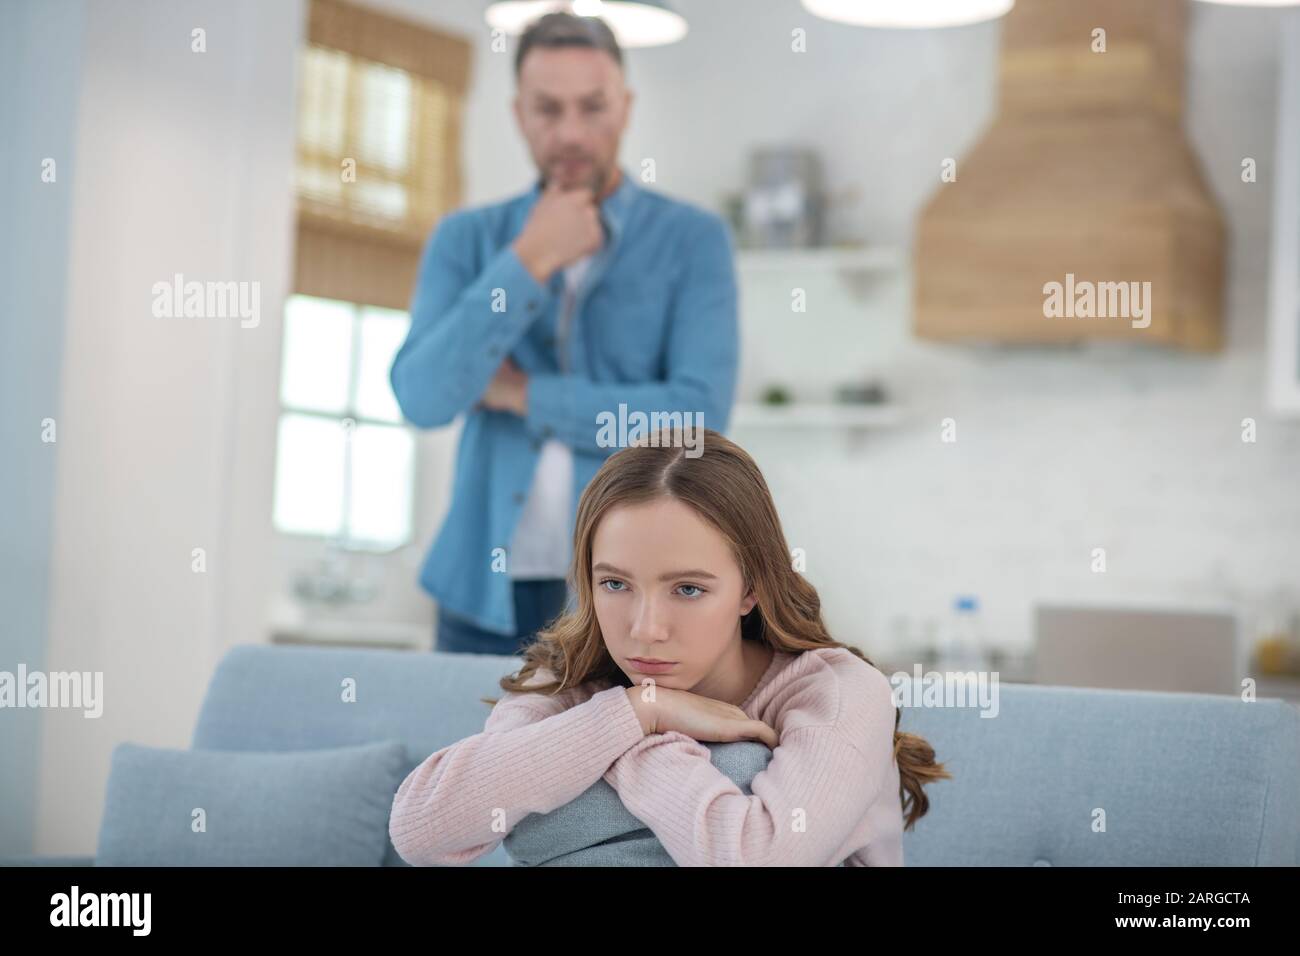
(665, 586)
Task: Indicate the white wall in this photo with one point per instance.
(38, 112)
(183, 165)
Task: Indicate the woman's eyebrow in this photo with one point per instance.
(667, 576)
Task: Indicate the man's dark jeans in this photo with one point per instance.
(537, 603)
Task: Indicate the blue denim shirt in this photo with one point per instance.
(654, 327)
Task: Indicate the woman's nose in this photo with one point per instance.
(649, 620)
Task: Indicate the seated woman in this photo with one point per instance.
(690, 625)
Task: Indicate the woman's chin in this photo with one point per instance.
(658, 680)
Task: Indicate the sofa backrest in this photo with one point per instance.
(282, 697)
(1176, 779)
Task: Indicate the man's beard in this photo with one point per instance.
(596, 182)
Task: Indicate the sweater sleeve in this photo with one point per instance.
(816, 789)
(462, 801)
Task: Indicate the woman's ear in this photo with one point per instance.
(747, 604)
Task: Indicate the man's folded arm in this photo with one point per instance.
(463, 324)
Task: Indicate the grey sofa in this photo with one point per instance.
(1177, 779)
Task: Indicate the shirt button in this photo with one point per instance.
(494, 351)
(1041, 862)
(547, 431)
(519, 497)
(537, 444)
(532, 305)
(549, 341)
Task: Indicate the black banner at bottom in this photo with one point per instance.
(333, 905)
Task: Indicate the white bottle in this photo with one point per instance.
(963, 645)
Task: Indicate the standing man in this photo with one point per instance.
(534, 315)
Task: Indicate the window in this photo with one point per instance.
(345, 463)
(354, 142)
(379, 116)
(379, 111)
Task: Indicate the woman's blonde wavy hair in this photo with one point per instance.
(725, 487)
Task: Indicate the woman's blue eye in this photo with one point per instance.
(696, 589)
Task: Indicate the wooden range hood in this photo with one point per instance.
(1084, 173)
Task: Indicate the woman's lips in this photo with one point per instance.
(645, 667)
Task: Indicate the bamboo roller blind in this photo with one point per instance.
(378, 164)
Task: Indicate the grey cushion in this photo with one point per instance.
(326, 807)
(597, 830)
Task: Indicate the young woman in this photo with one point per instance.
(690, 624)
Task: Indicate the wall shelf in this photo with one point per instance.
(352, 633)
(854, 259)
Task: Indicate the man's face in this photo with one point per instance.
(572, 108)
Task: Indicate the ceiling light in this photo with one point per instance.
(908, 13)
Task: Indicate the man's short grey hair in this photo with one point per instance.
(561, 29)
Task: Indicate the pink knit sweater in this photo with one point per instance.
(828, 797)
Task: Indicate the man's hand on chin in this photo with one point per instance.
(508, 390)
